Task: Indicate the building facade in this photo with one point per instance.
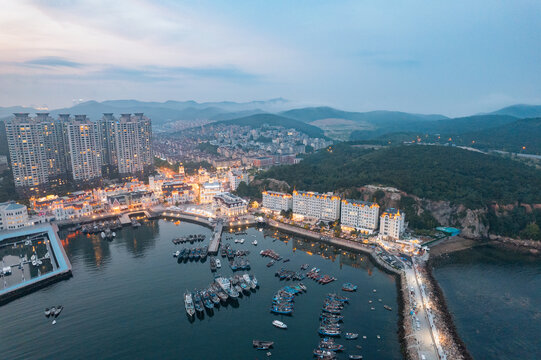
(208, 190)
(392, 224)
(359, 215)
(316, 206)
(13, 216)
(277, 201)
(132, 138)
(27, 153)
(227, 204)
(236, 177)
(84, 148)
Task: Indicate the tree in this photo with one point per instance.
(531, 231)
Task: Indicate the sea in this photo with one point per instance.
(494, 296)
(125, 301)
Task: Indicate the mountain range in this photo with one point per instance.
(171, 115)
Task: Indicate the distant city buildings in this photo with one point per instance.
(47, 152)
(359, 215)
(13, 216)
(317, 206)
(392, 224)
(227, 204)
(277, 201)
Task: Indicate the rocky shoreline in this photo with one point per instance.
(455, 347)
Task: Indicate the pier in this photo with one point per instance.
(216, 237)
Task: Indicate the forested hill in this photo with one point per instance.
(432, 172)
(258, 120)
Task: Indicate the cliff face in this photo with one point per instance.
(472, 223)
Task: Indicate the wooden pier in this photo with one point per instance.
(216, 237)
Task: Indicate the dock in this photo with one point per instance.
(216, 237)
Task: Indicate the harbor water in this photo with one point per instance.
(494, 296)
(125, 301)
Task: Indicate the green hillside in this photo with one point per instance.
(259, 120)
(513, 137)
(432, 172)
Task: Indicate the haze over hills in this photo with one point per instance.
(334, 123)
(520, 111)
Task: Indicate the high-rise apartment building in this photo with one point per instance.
(83, 144)
(132, 136)
(27, 152)
(107, 139)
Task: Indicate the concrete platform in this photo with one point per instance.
(61, 267)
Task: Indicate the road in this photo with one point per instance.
(426, 339)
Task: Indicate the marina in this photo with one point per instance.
(156, 295)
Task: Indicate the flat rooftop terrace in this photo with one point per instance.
(30, 258)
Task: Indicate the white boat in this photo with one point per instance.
(218, 263)
(102, 235)
(176, 253)
(254, 242)
(240, 241)
(279, 324)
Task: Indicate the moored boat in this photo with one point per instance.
(351, 336)
(279, 324)
(188, 303)
(262, 345)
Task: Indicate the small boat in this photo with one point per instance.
(58, 310)
(188, 303)
(47, 312)
(176, 253)
(218, 263)
(387, 307)
(279, 324)
(349, 287)
(254, 242)
(379, 337)
(54, 322)
(262, 345)
(351, 336)
(355, 356)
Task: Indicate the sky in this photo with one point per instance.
(448, 57)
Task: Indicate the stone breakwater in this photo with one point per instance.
(450, 340)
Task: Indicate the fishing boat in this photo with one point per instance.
(47, 312)
(214, 296)
(207, 300)
(324, 354)
(198, 302)
(58, 310)
(279, 324)
(262, 345)
(188, 303)
(271, 263)
(351, 336)
(329, 331)
(254, 281)
(387, 307)
(212, 264)
(349, 287)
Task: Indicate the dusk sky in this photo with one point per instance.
(448, 57)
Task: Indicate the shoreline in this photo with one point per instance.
(403, 332)
(448, 319)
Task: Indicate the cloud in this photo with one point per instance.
(52, 61)
(154, 73)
